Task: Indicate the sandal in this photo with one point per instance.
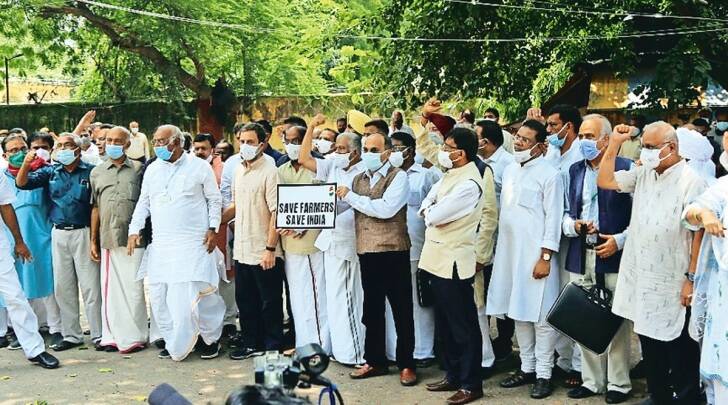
(573, 379)
(518, 379)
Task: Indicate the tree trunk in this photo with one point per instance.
(206, 120)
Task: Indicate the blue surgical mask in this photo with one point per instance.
(372, 161)
(66, 156)
(114, 151)
(589, 149)
(162, 152)
(722, 126)
(555, 140)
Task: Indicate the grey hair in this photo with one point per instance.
(670, 133)
(354, 140)
(387, 140)
(124, 131)
(176, 133)
(76, 139)
(605, 124)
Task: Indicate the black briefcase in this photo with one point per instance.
(425, 296)
(585, 314)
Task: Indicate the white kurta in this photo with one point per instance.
(531, 210)
(657, 253)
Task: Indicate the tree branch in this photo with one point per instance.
(123, 38)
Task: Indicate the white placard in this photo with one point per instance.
(306, 206)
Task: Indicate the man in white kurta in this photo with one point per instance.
(180, 193)
(656, 256)
(525, 281)
(344, 293)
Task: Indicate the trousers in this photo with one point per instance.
(259, 295)
(73, 267)
(19, 311)
(536, 341)
(386, 275)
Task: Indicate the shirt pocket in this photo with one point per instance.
(528, 198)
(134, 191)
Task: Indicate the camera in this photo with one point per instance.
(275, 370)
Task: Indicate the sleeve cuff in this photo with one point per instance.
(550, 245)
(568, 227)
(620, 238)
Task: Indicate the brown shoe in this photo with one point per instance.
(367, 371)
(441, 386)
(464, 397)
(407, 377)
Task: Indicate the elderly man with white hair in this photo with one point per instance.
(180, 193)
(604, 215)
(653, 287)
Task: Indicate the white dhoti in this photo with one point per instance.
(19, 311)
(123, 308)
(307, 286)
(344, 304)
(184, 311)
(424, 318)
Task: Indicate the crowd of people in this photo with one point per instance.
(437, 233)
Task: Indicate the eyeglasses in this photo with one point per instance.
(161, 142)
(651, 147)
(401, 148)
(16, 150)
(448, 148)
(519, 138)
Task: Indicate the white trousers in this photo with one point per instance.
(307, 286)
(488, 353)
(569, 354)
(123, 308)
(610, 370)
(344, 305)
(73, 267)
(717, 392)
(536, 342)
(227, 292)
(424, 325)
(19, 311)
(184, 311)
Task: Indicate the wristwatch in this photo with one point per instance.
(546, 257)
(270, 248)
(690, 277)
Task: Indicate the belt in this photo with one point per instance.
(68, 227)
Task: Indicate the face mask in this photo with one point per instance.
(17, 159)
(419, 159)
(43, 154)
(209, 158)
(324, 146)
(589, 149)
(293, 151)
(555, 140)
(650, 158)
(523, 156)
(372, 161)
(134, 130)
(115, 151)
(490, 119)
(163, 153)
(444, 159)
(722, 126)
(66, 156)
(396, 159)
(248, 152)
(341, 160)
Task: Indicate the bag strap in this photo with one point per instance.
(582, 242)
(600, 281)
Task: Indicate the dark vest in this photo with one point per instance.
(615, 210)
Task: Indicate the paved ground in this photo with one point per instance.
(90, 377)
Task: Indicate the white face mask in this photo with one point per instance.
(134, 130)
(45, 155)
(444, 159)
(650, 158)
(419, 159)
(490, 119)
(248, 152)
(209, 158)
(724, 160)
(324, 146)
(293, 151)
(341, 160)
(396, 159)
(522, 156)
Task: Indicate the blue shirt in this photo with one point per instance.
(70, 193)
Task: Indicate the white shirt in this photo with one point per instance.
(393, 199)
(564, 162)
(7, 196)
(420, 182)
(657, 253)
(498, 161)
(228, 175)
(184, 203)
(340, 241)
(531, 211)
(460, 202)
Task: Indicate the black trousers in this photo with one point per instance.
(259, 296)
(672, 367)
(387, 275)
(506, 327)
(458, 331)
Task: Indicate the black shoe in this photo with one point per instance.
(208, 352)
(99, 347)
(4, 342)
(245, 353)
(160, 344)
(638, 371)
(236, 342)
(615, 397)
(65, 345)
(424, 363)
(15, 345)
(56, 338)
(87, 332)
(111, 349)
(487, 372)
(518, 379)
(45, 360)
(581, 392)
(164, 354)
(229, 331)
(541, 389)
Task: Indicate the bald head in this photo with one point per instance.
(119, 133)
(660, 132)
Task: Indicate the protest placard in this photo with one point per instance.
(306, 206)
